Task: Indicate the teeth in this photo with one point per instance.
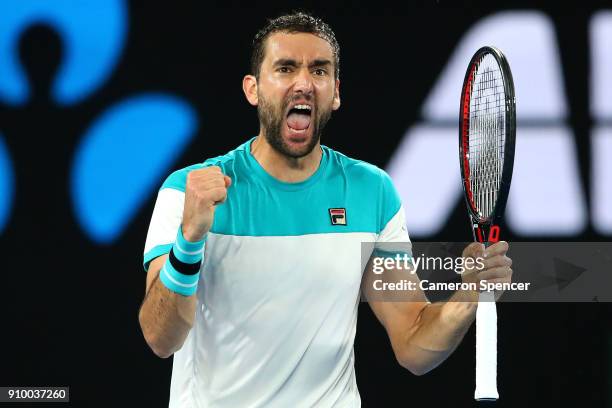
(302, 107)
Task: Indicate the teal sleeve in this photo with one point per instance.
(389, 198)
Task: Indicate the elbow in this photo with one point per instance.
(415, 369)
(418, 371)
(158, 348)
(164, 337)
(411, 364)
(157, 345)
(160, 352)
(155, 342)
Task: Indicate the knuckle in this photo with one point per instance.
(197, 172)
(219, 191)
(501, 261)
(190, 178)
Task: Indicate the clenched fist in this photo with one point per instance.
(205, 188)
(496, 267)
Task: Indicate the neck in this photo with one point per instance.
(284, 168)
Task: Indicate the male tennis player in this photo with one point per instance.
(254, 257)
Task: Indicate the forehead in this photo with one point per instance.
(298, 46)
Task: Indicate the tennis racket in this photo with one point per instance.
(487, 130)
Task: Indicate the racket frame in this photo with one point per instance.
(487, 229)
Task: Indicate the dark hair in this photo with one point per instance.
(296, 22)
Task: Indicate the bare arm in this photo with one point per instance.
(165, 317)
(423, 334)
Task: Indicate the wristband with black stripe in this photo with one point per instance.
(181, 272)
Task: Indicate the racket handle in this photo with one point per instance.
(486, 348)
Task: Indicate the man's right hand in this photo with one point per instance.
(205, 188)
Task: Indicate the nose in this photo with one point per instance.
(303, 81)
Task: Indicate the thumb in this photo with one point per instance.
(228, 181)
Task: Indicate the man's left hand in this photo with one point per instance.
(497, 265)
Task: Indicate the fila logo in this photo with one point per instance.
(338, 216)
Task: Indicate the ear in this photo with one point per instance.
(249, 87)
(336, 103)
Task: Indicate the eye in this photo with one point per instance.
(320, 72)
(284, 70)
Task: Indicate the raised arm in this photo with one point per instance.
(168, 310)
(165, 316)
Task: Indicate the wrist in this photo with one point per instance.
(192, 235)
(186, 250)
(460, 308)
(181, 272)
(465, 296)
(179, 277)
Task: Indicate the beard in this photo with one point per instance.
(271, 119)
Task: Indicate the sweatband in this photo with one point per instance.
(181, 272)
(188, 252)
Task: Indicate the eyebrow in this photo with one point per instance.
(320, 63)
(293, 63)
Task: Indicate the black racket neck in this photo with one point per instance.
(485, 233)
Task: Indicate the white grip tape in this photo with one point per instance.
(486, 348)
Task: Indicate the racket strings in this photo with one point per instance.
(487, 134)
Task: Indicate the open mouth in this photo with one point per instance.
(298, 119)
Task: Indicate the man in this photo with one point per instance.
(254, 257)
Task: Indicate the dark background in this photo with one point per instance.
(69, 305)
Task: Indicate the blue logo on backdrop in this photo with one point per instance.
(92, 34)
(6, 185)
(134, 142)
(127, 149)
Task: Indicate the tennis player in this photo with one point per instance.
(253, 258)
